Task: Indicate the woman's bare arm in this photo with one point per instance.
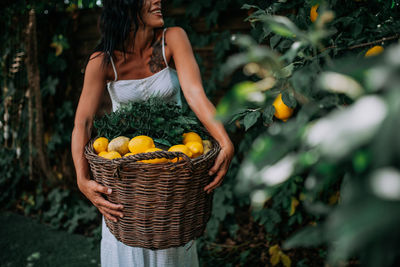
(89, 101)
(191, 84)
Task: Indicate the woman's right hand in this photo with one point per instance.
(93, 191)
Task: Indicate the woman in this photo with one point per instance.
(133, 60)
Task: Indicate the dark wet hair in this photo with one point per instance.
(117, 20)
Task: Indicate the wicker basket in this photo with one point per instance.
(164, 204)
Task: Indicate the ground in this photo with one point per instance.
(25, 242)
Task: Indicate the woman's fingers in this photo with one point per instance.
(93, 191)
(218, 162)
(218, 178)
(112, 213)
(221, 166)
(108, 209)
(107, 214)
(216, 182)
(103, 189)
(102, 202)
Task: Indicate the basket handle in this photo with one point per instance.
(163, 154)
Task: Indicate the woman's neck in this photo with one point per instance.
(142, 41)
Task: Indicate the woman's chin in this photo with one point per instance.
(156, 23)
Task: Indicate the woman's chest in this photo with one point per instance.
(138, 67)
(133, 68)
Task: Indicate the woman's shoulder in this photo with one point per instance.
(176, 32)
(176, 36)
(97, 56)
(96, 64)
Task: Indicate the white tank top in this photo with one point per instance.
(164, 83)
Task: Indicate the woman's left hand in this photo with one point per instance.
(220, 167)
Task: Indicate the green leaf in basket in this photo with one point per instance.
(162, 141)
(155, 117)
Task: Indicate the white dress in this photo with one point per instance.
(114, 253)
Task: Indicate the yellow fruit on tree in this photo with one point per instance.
(140, 143)
(191, 137)
(58, 47)
(156, 160)
(102, 153)
(100, 144)
(373, 51)
(207, 145)
(180, 148)
(314, 13)
(282, 111)
(119, 144)
(196, 148)
(112, 155)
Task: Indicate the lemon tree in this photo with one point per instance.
(317, 112)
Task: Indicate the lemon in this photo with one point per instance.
(282, 111)
(156, 160)
(100, 144)
(314, 13)
(180, 148)
(191, 137)
(102, 153)
(112, 155)
(119, 144)
(207, 145)
(140, 143)
(196, 148)
(373, 51)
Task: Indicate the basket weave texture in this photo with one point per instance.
(164, 204)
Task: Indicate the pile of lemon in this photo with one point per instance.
(193, 146)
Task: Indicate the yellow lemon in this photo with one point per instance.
(282, 111)
(373, 51)
(314, 13)
(119, 144)
(196, 148)
(191, 137)
(112, 155)
(102, 153)
(180, 148)
(156, 160)
(140, 143)
(207, 145)
(100, 144)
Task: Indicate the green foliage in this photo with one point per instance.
(341, 137)
(164, 122)
(11, 176)
(67, 211)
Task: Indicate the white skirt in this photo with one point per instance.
(116, 254)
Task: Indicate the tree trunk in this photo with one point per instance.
(35, 94)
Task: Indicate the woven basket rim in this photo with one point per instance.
(134, 159)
